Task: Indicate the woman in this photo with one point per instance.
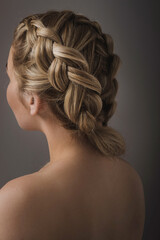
(62, 82)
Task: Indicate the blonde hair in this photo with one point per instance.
(69, 62)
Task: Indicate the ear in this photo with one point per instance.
(34, 104)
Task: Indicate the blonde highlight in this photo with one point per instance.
(69, 62)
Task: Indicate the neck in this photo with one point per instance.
(62, 146)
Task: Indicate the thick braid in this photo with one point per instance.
(74, 80)
(109, 93)
(69, 62)
(80, 80)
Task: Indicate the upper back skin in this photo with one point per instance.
(97, 199)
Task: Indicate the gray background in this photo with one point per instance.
(135, 29)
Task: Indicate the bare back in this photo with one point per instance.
(93, 200)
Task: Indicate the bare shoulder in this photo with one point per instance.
(131, 173)
(14, 199)
(135, 195)
(19, 185)
(131, 176)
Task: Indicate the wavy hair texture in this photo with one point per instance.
(69, 62)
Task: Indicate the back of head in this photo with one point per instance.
(68, 61)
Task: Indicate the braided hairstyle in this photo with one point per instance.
(69, 62)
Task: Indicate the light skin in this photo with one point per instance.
(30, 116)
(108, 194)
